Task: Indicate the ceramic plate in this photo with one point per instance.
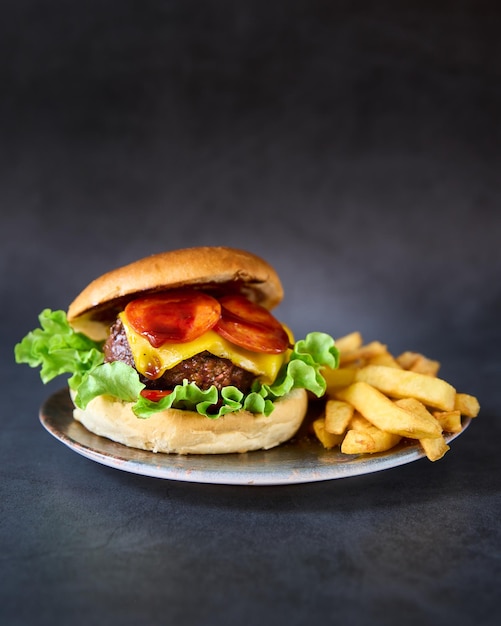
(300, 461)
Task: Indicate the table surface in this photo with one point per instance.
(358, 150)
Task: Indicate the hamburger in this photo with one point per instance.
(179, 352)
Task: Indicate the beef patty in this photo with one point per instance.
(204, 369)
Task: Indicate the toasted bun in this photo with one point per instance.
(198, 267)
(187, 432)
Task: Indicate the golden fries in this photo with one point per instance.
(350, 342)
(416, 362)
(384, 358)
(337, 416)
(362, 437)
(467, 405)
(375, 400)
(387, 415)
(368, 351)
(338, 378)
(399, 383)
(434, 447)
(327, 439)
(450, 421)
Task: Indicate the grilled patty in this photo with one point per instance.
(204, 369)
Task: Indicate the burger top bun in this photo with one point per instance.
(198, 267)
(187, 432)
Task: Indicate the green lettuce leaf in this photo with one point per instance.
(58, 349)
(303, 368)
(116, 379)
(206, 402)
(188, 396)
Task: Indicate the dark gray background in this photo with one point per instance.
(356, 146)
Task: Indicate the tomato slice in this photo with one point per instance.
(250, 326)
(154, 394)
(176, 316)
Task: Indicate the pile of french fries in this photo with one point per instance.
(374, 400)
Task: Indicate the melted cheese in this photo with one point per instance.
(149, 359)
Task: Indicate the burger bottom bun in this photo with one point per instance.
(187, 432)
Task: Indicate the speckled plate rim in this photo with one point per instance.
(298, 461)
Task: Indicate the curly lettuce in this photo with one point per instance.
(58, 349)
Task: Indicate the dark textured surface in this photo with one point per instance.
(357, 148)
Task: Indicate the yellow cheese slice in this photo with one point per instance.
(153, 362)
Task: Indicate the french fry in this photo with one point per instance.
(366, 351)
(337, 416)
(413, 406)
(359, 422)
(435, 447)
(375, 399)
(450, 421)
(349, 342)
(363, 437)
(424, 365)
(328, 440)
(341, 377)
(384, 358)
(386, 415)
(416, 362)
(467, 405)
(433, 392)
(407, 359)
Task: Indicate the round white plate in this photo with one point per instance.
(299, 461)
